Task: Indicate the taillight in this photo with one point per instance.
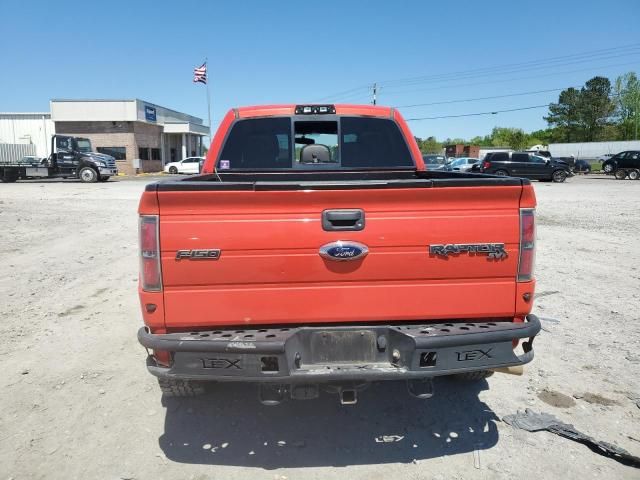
(527, 244)
(486, 165)
(150, 273)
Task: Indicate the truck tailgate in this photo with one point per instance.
(270, 272)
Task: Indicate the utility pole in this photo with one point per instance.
(636, 116)
(375, 92)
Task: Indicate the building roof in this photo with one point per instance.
(25, 113)
(121, 100)
(96, 110)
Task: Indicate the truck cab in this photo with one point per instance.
(74, 157)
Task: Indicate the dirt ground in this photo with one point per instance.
(76, 400)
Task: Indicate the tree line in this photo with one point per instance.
(598, 111)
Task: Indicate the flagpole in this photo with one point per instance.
(208, 98)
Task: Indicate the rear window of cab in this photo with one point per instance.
(310, 144)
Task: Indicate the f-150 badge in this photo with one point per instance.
(491, 250)
(341, 251)
(208, 254)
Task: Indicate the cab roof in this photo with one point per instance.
(289, 109)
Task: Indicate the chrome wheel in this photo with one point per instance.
(173, 170)
(88, 175)
(634, 174)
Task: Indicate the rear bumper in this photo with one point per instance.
(321, 354)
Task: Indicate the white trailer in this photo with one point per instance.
(591, 150)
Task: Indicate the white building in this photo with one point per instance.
(139, 134)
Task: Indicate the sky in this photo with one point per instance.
(264, 52)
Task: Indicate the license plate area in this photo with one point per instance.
(343, 346)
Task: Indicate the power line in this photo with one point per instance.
(444, 102)
(340, 94)
(512, 71)
(494, 112)
(491, 82)
(529, 64)
(496, 70)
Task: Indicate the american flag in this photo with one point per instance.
(200, 74)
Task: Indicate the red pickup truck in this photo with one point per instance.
(317, 251)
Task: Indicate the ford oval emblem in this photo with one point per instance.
(343, 251)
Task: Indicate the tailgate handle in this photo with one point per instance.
(343, 220)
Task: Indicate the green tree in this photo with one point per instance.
(431, 145)
(543, 137)
(596, 107)
(481, 141)
(564, 116)
(518, 139)
(627, 99)
(582, 115)
(454, 141)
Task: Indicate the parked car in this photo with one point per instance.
(605, 157)
(523, 164)
(188, 165)
(623, 160)
(569, 161)
(434, 162)
(462, 164)
(582, 166)
(540, 153)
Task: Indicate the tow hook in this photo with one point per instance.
(421, 389)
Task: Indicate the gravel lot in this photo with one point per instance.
(77, 402)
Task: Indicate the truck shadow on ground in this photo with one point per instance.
(230, 427)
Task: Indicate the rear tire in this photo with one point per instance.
(10, 176)
(88, 175)
(502, 173)
(608, 168)
(173, 170)
(620, 174)
(634, 174)
(474, 376)
(172, 387)
(559, 176)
